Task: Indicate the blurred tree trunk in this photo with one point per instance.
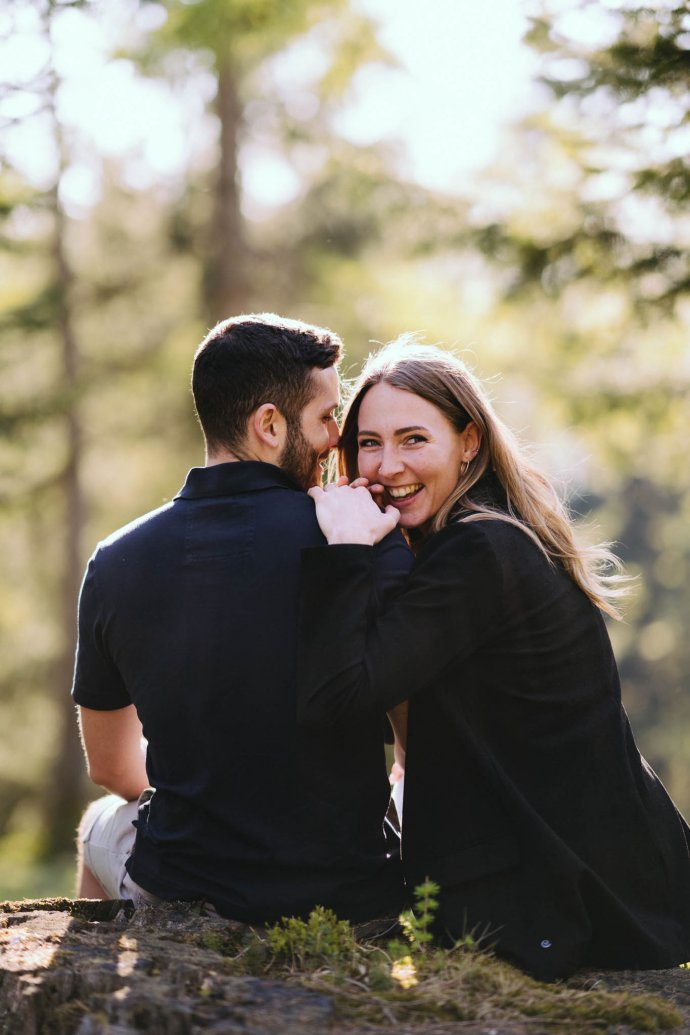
(226, 286)
(64, 797)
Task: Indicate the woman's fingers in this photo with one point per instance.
(358, 483)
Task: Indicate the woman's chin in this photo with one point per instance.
(420, 522)
(411, 520)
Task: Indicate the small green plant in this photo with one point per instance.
(417, 922)
(308, 944)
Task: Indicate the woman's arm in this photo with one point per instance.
(350, 664)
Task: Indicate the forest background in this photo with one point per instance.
(561, 265)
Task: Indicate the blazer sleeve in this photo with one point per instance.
(392, 563)
(350, 663)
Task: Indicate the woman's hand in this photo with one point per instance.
(348, 514)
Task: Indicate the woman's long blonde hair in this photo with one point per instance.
(532, 502)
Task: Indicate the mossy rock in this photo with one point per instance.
(72, 967)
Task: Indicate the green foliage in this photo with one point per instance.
(417, 922)
(237, 29)
(308, 944)
(648, 51)
(624, 91)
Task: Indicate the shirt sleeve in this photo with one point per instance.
(97, 682)
(351, 664)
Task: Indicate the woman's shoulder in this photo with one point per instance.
(472, 528)
(498, 540)
(461, 538)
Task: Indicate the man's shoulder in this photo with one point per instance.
(284, 515)
(289, 515)
(148, 524)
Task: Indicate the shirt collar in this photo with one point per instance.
(237, 476)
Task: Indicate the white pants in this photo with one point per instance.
(108, 839)
(397, 794)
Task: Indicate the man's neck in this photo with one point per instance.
(229, 456)
(224, 456)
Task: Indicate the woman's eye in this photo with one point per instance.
(413, 440)
(367, 443)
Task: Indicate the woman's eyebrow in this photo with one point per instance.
(398, 431)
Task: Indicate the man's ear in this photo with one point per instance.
(268, 427)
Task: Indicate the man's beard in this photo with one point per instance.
(300, 460)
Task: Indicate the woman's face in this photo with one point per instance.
(410, 448)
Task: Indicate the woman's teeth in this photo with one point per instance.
(401, 492)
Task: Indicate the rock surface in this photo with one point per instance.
(97, 968)
(90, 968)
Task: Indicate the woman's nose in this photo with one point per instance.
(391, 464)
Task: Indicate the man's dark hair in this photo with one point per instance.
(249, 360)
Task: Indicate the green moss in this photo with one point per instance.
(227, 941)
(643, 1013)
(213, 940)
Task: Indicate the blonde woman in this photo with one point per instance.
(526, 798)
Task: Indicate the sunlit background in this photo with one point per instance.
(510, 179)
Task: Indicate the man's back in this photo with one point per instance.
(191, 615)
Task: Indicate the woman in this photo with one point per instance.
(526, 798)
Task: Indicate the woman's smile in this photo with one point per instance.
(403, 493)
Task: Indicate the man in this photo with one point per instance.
(187, 637)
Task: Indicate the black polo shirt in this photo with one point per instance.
(191, 614)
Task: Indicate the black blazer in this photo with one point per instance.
(525, 795)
